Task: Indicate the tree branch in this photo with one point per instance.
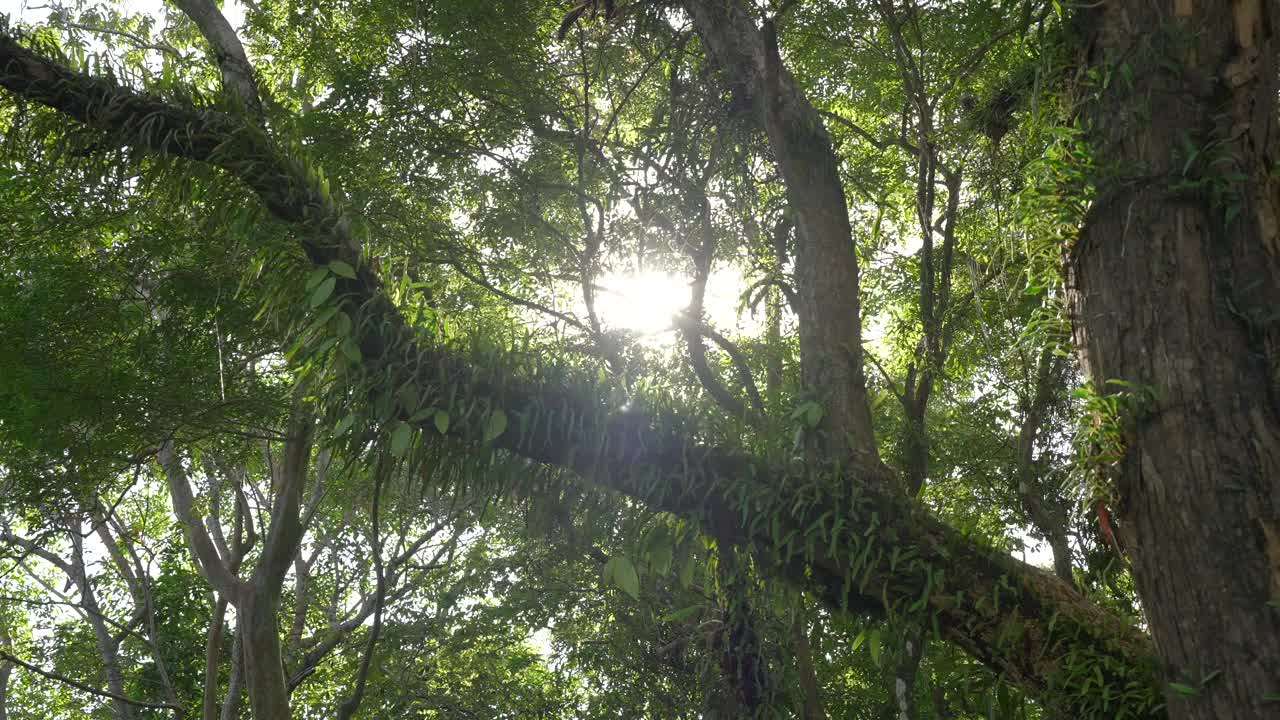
(205, 554)
(237, 72)
(58, 677)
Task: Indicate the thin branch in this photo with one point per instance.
(58, 677)
(351, 704)
(140, 42)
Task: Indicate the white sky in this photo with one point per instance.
(35, 11)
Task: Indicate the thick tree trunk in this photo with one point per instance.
(1176, 286)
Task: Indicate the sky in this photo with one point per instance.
(35, 11)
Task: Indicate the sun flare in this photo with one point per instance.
(643, 303)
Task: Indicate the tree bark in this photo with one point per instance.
(108, 646)
(263, 661)
(235, 676)
(212, 651)
(1175, 282)
(1037, 497)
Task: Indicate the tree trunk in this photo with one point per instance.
(213, 651)
(6, 669)
(906, 671)
(1175, 287)
(259, 607)
(231, 701)
(813, 708)
(108, 646)
(826, 267)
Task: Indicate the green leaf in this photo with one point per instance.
(813, 415)
(323, 291)
(341, 324)
(874, 645)
(351, 350)
(682, 614)
(1183, 689)
(686, 571)
(400, 438)
(622, 572)
(315, 276)
(344, 425)
(660, 557)
(340, 268)
(409, 397)
(441, 420)
(494, 426)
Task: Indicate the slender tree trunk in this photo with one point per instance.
(1048, 515)
(1176, 285)
(108, 646)
(906, 672)
(813, 708)
(212, 651)
(231, 701)
(826, 267)
(6, 669)
(259, 608)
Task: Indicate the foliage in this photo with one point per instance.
(469, 184)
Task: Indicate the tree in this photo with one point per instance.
(826, 514)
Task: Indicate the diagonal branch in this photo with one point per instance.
(237, 72)
(211, 564)
(58, 677)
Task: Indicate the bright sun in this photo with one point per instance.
(646, 303)
(643, 303)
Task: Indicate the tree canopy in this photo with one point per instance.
(639, 358)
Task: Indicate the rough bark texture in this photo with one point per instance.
(1176, 285)
(857, 543)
